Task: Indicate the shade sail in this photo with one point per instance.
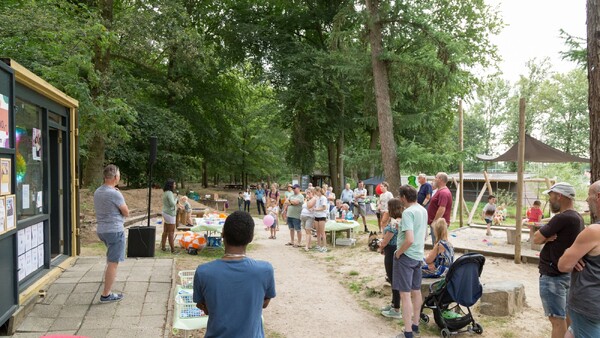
(535, 151)
(375, 180)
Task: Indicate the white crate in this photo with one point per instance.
(186, 308)
(345, 241)
(187, 278)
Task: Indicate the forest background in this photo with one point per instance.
(240, 91)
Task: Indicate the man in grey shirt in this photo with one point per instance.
(111, 211)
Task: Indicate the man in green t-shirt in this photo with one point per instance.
(293, 215)
(408, 259)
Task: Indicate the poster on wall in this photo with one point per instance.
(21, 264)
(4, 122)
(5, 177)
(36, 144)
(25, 198)
(10, 212)
(38, 200)
(2, 215)
(40, 253)
(21, 242)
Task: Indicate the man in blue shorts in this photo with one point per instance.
(111, 211)
(233, 290)
(294, 210)
(558, 235)
(407, 260)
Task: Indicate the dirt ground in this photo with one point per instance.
(339, 293)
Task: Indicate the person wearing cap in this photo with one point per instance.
(582, 259)
(557, 235)
(294, 210)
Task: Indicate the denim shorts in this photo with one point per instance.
(406, 273)
(294, 223)
(553, 292)
(582, 326)
(115, 246)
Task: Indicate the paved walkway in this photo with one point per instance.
(71, 305)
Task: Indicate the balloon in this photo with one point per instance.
(378, 189)
(268, 220)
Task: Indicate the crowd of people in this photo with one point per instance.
(235, 289)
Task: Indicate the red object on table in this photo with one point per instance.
(378, 189)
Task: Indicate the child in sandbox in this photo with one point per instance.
(440, 258)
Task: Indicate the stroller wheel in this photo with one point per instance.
(477, 328)
(445, 333)
(424, 318)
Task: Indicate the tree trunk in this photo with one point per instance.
(204, 174)
(94, 165)
(340, 165)
(593, 50)
(373, 141)
(332, 157)
(389, 157)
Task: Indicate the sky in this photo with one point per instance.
(532, 30)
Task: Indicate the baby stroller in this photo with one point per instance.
(450, 298)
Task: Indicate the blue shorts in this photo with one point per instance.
(294, 223)
(407, 274)
(582, 326)
(553, 292)
(115, 246)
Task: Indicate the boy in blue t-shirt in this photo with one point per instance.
(233, 290)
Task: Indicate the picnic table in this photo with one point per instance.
(338, 225)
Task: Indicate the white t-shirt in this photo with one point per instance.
(246, 196)
(321, 201)
(306, 211)
(384, 199)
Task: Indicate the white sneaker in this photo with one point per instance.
(392, 313)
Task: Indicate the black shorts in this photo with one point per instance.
(319, 219)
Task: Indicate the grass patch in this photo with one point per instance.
(93, 249)
(355, 286)
(353, 273)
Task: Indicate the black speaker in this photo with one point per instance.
(153, 144)
(141, 241)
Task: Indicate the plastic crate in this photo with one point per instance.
(186, 308)
(214, 242)
(187, 278)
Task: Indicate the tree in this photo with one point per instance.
(593, 65)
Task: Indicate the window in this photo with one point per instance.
(28, 160)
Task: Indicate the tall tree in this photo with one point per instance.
(593, 66)
(389, 156)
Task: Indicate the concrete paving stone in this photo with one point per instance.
(36, 324)
(144, 262)
(62, 332)
(91, 279)
(139, 278)
(161, 272)
(81, 298)
(67, 280)
(99, 310)
(92, 332)
(153, 321)
(92, 273)
(151, 309)
(163, 262)
(95, 323)
(26, 335)
(159, 286)
(61, 288)
(164, 303)
(55, 299)
(86, 287)
(129, 310)
(156, 297)
(74, 311)
(45, 310)
(121, 332)
(89, 259)
(117, 286)
(81, 267)
(132, 286)
(62, 324)
(125, 322)
(161, 279)
(150, 332)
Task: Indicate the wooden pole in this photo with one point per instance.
(460, 164)
(520, 183)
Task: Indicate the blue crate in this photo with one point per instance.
(214, 241)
